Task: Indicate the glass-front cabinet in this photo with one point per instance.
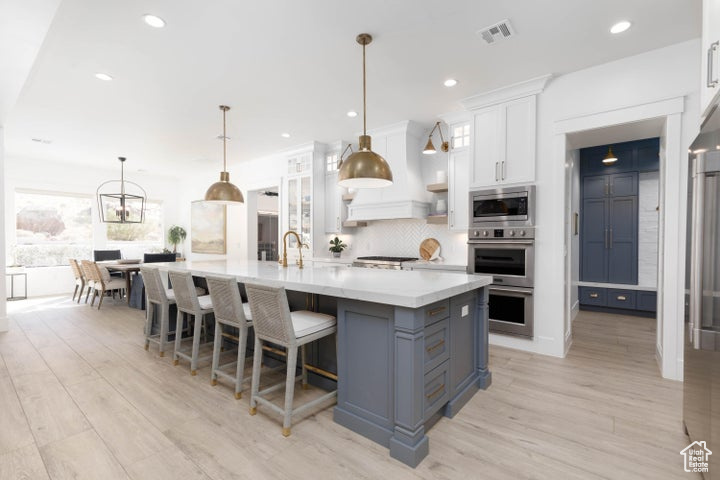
(299, 200)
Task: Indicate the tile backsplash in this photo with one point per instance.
(403, 238)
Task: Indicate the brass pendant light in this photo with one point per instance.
(224, 191)
(364, 168)
(610, 157)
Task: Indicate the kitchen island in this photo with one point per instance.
(412, 346)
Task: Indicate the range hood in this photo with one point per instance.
(400, 144)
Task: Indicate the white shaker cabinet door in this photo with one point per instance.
(710, 55)
(486, 147)
(519, 162)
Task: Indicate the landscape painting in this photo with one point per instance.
(207, 228)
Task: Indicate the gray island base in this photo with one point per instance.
(412, 346)
(400, 369)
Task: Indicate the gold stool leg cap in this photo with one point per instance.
(162, 354)
(193, 372)
(286, 432)
(238, 395)
(176, 361)
(253, 410)
(213, 382)
(147, 346)
(305, 386)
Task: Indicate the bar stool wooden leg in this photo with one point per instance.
(289, 389)
(240, 372)
(255, 386)
(178, 336)
(216, 353)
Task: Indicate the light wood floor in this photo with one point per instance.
(80, 398)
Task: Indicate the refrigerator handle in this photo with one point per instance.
(696, 260)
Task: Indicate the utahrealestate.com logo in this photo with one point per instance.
(697, 457)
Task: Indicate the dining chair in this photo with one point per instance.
(103, 283)
(87, 271)
(273, 322)
(79, 279)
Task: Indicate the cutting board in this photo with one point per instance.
(429, 249)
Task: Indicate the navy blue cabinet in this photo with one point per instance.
(609, 234)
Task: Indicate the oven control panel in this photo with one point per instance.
(505, 233)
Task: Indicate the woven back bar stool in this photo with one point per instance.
(230, 311)
(273, 322)
(188, 302)
(158, 300)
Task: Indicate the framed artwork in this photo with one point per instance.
(208, 231)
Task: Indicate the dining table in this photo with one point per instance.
(127, 269)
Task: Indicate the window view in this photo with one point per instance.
(50, 228)
(134, 239)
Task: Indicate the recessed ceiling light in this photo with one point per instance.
(154, 21)
(450, 82)
(285, 135)
(352, 114)
(103, 76)
(620, 27)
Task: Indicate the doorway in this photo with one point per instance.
(263, 207)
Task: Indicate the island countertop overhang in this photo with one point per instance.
(411, 289)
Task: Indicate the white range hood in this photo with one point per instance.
(401, 145)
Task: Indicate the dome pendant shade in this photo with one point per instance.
(364, 168)
(224, 191)
(429, 148)
(610, 157)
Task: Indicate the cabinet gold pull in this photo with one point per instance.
(622, 297)
(436, 346)
(436, 391)
(593, 295)
(435, 311)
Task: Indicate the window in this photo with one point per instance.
(134, 239)
(331, 162)
(51, 228)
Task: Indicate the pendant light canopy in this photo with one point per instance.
(121, 201)
(610, 157)
(224, 191)
(364, 168)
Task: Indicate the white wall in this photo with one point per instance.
(3, 302)
(649, 77)
(648, 223)
(26, 174)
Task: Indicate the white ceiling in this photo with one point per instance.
(293, 66)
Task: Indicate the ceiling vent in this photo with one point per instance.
(495, 33)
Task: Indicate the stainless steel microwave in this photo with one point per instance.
(505, 207)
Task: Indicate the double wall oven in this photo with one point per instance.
(501, 243)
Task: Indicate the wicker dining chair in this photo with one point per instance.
(230, 311)
(188, 302)
(103, 283)
(274, 322)
(87, 271)
(79, 279)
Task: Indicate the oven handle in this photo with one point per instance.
(527, 292)
(504, 242)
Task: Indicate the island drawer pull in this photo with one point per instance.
(622, 297)
(435, 311)
(593, 295)
(436, 346)
(436, 391)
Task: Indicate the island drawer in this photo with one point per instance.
(436, 345)
(437, 389)
(437, 311)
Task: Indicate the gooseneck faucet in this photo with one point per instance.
(300, 246)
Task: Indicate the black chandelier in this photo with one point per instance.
(127, 206)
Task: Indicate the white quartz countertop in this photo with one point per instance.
(403, 288)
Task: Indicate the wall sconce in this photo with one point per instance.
(342, 155)
(430, 148)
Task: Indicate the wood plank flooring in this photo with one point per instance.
(80, 398)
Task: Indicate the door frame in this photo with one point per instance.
(671, 261)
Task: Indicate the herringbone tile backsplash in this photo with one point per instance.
(403, 237)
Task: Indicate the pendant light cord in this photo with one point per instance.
(224, 143)
(364, 96)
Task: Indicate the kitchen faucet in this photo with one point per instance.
(300, 247)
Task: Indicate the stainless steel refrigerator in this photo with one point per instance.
(701, 401)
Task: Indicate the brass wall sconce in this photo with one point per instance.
(429, 147)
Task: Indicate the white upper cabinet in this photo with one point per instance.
(335, 208)
(504, 147)
(710, 78)
(503, 141)
(459, 175)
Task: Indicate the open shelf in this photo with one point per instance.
(353, 224)
(437, 187)
(437, 219)
(348, 197)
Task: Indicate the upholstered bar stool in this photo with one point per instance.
(274, 322)
(158, 300)
(188, 302)
(230, 311)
